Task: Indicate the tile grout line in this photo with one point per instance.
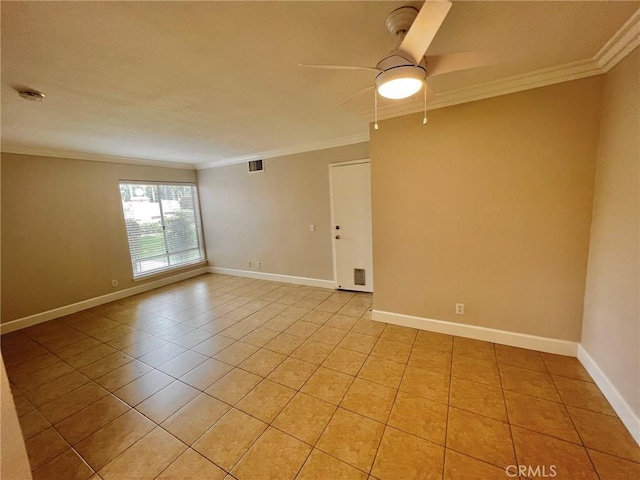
(386, 423)
(72, 448)
(85, 407)
(446, 423)
(188, 446)
(336, 346)
(92, 381)
(575, 427)
(506, 409)
(263, 378)
(178, 293)
(270, 424)
(314, 447)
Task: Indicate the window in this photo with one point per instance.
(163, 226)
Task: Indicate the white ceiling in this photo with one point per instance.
(205, 82)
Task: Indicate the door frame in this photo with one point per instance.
(331, 229)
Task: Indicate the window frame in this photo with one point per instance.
(166, 255)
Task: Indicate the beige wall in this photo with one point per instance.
(611, 326)
(13, 454)
(266, 216)
(63, 232)
(488, 205)
(14, 463)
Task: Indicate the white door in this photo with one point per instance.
(351, 226)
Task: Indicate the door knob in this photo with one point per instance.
(337, 237)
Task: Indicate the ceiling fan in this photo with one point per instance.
(404, 71)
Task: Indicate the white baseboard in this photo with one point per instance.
(95, 301)
(619, 404)
(513, 339)
(275, 277)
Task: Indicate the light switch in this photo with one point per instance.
(312, 228)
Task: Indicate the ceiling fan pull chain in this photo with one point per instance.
(424, 120)
(375, 109)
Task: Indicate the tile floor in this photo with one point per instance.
(220, 377)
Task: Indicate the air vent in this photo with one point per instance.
(255, 166)
(358, 276)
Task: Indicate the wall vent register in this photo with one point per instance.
(256, 166)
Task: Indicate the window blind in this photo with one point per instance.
(163, 226)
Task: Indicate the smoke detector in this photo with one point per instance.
(31, 94)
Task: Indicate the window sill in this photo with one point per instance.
(164, 271)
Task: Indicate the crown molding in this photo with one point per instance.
(514, 84)
(623, 42)
(94, 157)
(307, 147)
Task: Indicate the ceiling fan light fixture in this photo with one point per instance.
(400, 82)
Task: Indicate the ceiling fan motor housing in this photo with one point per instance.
(400, 20)
(397, 58)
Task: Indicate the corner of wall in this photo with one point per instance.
(617, 401)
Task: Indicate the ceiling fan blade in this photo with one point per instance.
(453, 62)
(337, 67)
(358, 93)
(424, 28)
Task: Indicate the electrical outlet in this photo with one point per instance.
(258, 265)
(114, 283)
(459, 308)
(312, 228)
